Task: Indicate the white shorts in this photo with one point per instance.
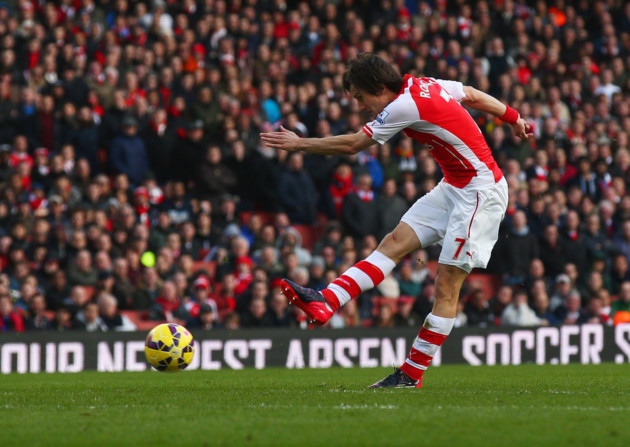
(464, 221)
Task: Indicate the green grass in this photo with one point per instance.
(524, 405)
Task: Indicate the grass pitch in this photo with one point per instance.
(526, 405)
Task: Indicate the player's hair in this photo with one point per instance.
(371, 74)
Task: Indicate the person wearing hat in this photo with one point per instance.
(562, 287)
(128, 154)
(201, 293)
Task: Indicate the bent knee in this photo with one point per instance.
(396, 245)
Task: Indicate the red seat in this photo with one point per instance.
(90, 291)
(208, 267)
(489, 283)
(267, 217)
(309, 235)
(379, 301)
(140, 319)
(432, 266)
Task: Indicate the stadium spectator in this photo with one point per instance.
(256, 314)
(109, 314)
(562, 287)
(10, 319)
(540, 304)
(405, 315)
(65, 320)
(168, 305)
(128, 153)
(408, 287)
(390, 207)
(478, 310)
(552, 251)
(516, 249)
(518, 312)
(213, 178)
(36, 317)
(359, 211)
(81, 272)
(122, 288)
(384, 316)
(576, 251)
(592, 312)
(569, 311)
(623, 301)
(146, 291)
(348, 317)
(501, 299)
(202, 294)
(296, 191)
(206, 319)
(278, 312)
(619, 272)
(89, 316)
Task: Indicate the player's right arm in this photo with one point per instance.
(338, 145)
(483, 102)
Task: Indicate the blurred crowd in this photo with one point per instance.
(133, 181)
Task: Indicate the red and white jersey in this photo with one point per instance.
(429, 111)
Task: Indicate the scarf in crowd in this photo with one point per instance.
(366, 196)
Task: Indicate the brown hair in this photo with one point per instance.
(371, 74)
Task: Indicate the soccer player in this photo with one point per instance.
(462, 213)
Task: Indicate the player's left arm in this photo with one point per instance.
(289, 141)
(478, 100)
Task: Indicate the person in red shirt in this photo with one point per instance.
(168, 305)
(20, 152)
(10, 319)
(462, 212)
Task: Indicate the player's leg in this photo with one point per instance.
(370, 272)
(433, 333)
(438, 324)
(472, 231)
(362, 276)
(425, 221)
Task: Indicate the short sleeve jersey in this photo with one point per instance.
(429, 111)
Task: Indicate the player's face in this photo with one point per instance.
(372, 104)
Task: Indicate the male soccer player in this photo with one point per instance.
(462, 212)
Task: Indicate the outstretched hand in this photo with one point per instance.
(284, 139)
(522, 129)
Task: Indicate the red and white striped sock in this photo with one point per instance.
(362, 276)
(433, 333)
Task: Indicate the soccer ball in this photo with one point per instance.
(169, 347)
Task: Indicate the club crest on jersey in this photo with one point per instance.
(381, 117)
